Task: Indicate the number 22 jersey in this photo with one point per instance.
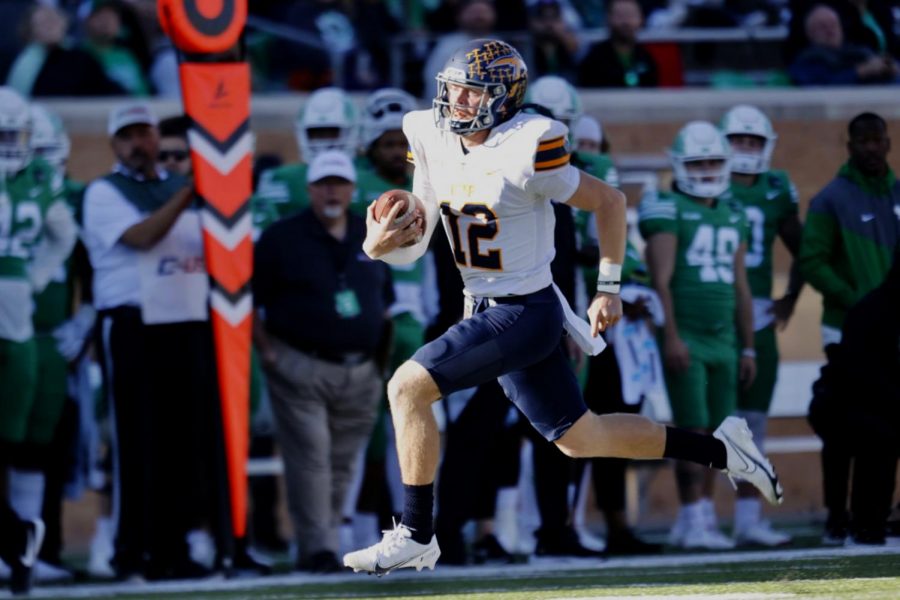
(494, 200)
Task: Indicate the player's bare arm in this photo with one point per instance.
(790, 231)
(608, 205)
(661, 251)
(744, 302)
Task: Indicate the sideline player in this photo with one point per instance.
(491, 171)
(770, 204)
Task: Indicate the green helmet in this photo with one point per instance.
(749, 120)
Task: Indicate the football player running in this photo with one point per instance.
(696, 242)
(489, 171)
(770, 204)
(37, 234)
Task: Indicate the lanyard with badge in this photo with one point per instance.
(346, 303)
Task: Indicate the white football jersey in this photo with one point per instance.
(494, 200)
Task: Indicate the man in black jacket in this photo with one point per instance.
(856, 404)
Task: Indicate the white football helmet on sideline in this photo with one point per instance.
(749, 120)
(383, 111)
(49, 139)
(701, 141)
(328, 110)
(15, 131)
(558, 95)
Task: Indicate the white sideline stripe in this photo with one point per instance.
(223, 163)
(229, 237)
(532, 570)
(726, 596)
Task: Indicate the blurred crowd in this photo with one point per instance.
(116, 47)
(108, 381)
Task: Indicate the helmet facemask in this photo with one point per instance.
(701, 141)
(15, 131)
(49, 139)
(746, 120)
(328, 111)
(494, 69)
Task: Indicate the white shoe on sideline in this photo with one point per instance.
(702, 537)
(45, 572)
(761, 534)
(745, 461)
(396, 550)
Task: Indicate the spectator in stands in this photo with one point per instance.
(619, 61)
(855, 407)
(174, 151)
(103, 28)
(866, 23)
(323, 311)
(49, 66)
(142, 232)
(556, 44)
(474, 19)
(830, 60)
(845, 252)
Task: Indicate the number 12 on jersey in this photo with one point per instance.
(480, 226)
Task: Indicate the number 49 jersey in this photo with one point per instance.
(708, 237)
(494, 199)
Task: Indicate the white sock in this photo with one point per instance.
(747, 512)
(708, 509)
(26, 493)
(693, 513)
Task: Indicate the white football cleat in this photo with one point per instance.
(745, 461)
(761, 534)
(396, 550)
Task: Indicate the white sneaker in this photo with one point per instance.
(396, 550)
(745, 461)
(706, 538)
(679, 529)
(761, 534)
(44, 572)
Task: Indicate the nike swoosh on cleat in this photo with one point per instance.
(773, 479)
(379, 570)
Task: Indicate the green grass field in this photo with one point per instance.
(839, 574)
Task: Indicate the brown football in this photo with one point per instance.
(387, 200)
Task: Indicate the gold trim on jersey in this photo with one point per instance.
(551, 154)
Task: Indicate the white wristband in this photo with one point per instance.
(608, 287)
(748, 353)
(610, 271)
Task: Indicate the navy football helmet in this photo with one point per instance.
(492, 67)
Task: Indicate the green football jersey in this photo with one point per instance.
(24, 201)
(702, 283)
(53, 306)
(767, 203)
(281, 192)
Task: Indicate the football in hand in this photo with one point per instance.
(408, 202)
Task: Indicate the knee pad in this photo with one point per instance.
(757, 422)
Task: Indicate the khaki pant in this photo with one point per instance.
(324, 414)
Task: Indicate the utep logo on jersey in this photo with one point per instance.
(496, 62)
(175, 265)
